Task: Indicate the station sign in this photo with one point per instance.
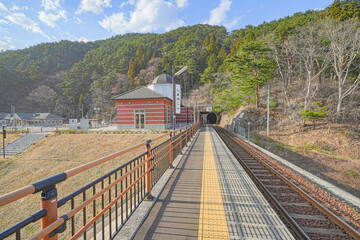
(177, 99)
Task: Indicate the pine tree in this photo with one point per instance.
(250, 37)
(315, 112)
(252, 69)
(206, 42)
(335, 9)
(139, 51)
(353, 10)
(81, 104)
(212, 44)
(153, 55)
(148, 54)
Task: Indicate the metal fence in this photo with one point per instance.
(100, 208)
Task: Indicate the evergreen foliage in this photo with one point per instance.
(315, 112)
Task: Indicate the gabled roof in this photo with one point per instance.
(3, 115)
(37, 116)
(140, 93)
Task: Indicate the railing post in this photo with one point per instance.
(49, 203)
(148, 166)
(180, 141)
(187, 132)
(171, 150)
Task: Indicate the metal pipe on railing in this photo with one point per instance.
(148, 167)
(171, 150)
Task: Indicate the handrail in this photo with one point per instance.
(48, 216)
(30, 189)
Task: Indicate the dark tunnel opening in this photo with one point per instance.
(212, 118)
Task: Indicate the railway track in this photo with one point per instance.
(307, 218)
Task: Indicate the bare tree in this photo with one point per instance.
(284, 60)
(307, 44)
(344, 47)
(44, 96)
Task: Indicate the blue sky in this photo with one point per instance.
(25, 23)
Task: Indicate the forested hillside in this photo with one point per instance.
(297, 53)
(22, 71)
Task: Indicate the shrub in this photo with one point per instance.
(316, 112)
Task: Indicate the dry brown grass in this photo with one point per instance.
(327, 150)
(55, 154)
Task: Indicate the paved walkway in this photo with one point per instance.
(210, 196)
(22, 143)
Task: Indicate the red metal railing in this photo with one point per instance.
(105, 203)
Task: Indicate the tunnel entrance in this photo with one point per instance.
(212, 118)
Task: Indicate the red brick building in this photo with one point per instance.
(144, 108)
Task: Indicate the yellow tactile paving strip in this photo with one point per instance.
(212, 221)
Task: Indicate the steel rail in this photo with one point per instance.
(350, 230)
(295, 227)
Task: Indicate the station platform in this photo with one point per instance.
(210, 196)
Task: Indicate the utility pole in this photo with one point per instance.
(97, 110)
(82, 110)
(268, 113)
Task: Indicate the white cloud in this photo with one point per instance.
(28, 24)
(233, 22)
(95, 6)
(129, 2)
(14, 7)
(50, 4)
(218, 15)
(5, 43)
(3, 8)
(25, 8)
(147, 16)
(50, 18)
(182, 3)
(72, 37)
(78, 20)
(82, 39)
(2, 21)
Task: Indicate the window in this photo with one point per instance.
(166, 114)
(139, 119)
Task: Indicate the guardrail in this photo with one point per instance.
(100, 208)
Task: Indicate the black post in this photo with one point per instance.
(4, 136)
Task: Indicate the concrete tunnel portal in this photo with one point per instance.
(211, 118)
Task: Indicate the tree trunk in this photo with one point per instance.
(308, 91)
(338, 108)
(257, 97)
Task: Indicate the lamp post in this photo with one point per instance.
(97, 110)
(173, 83)
(4, 136)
